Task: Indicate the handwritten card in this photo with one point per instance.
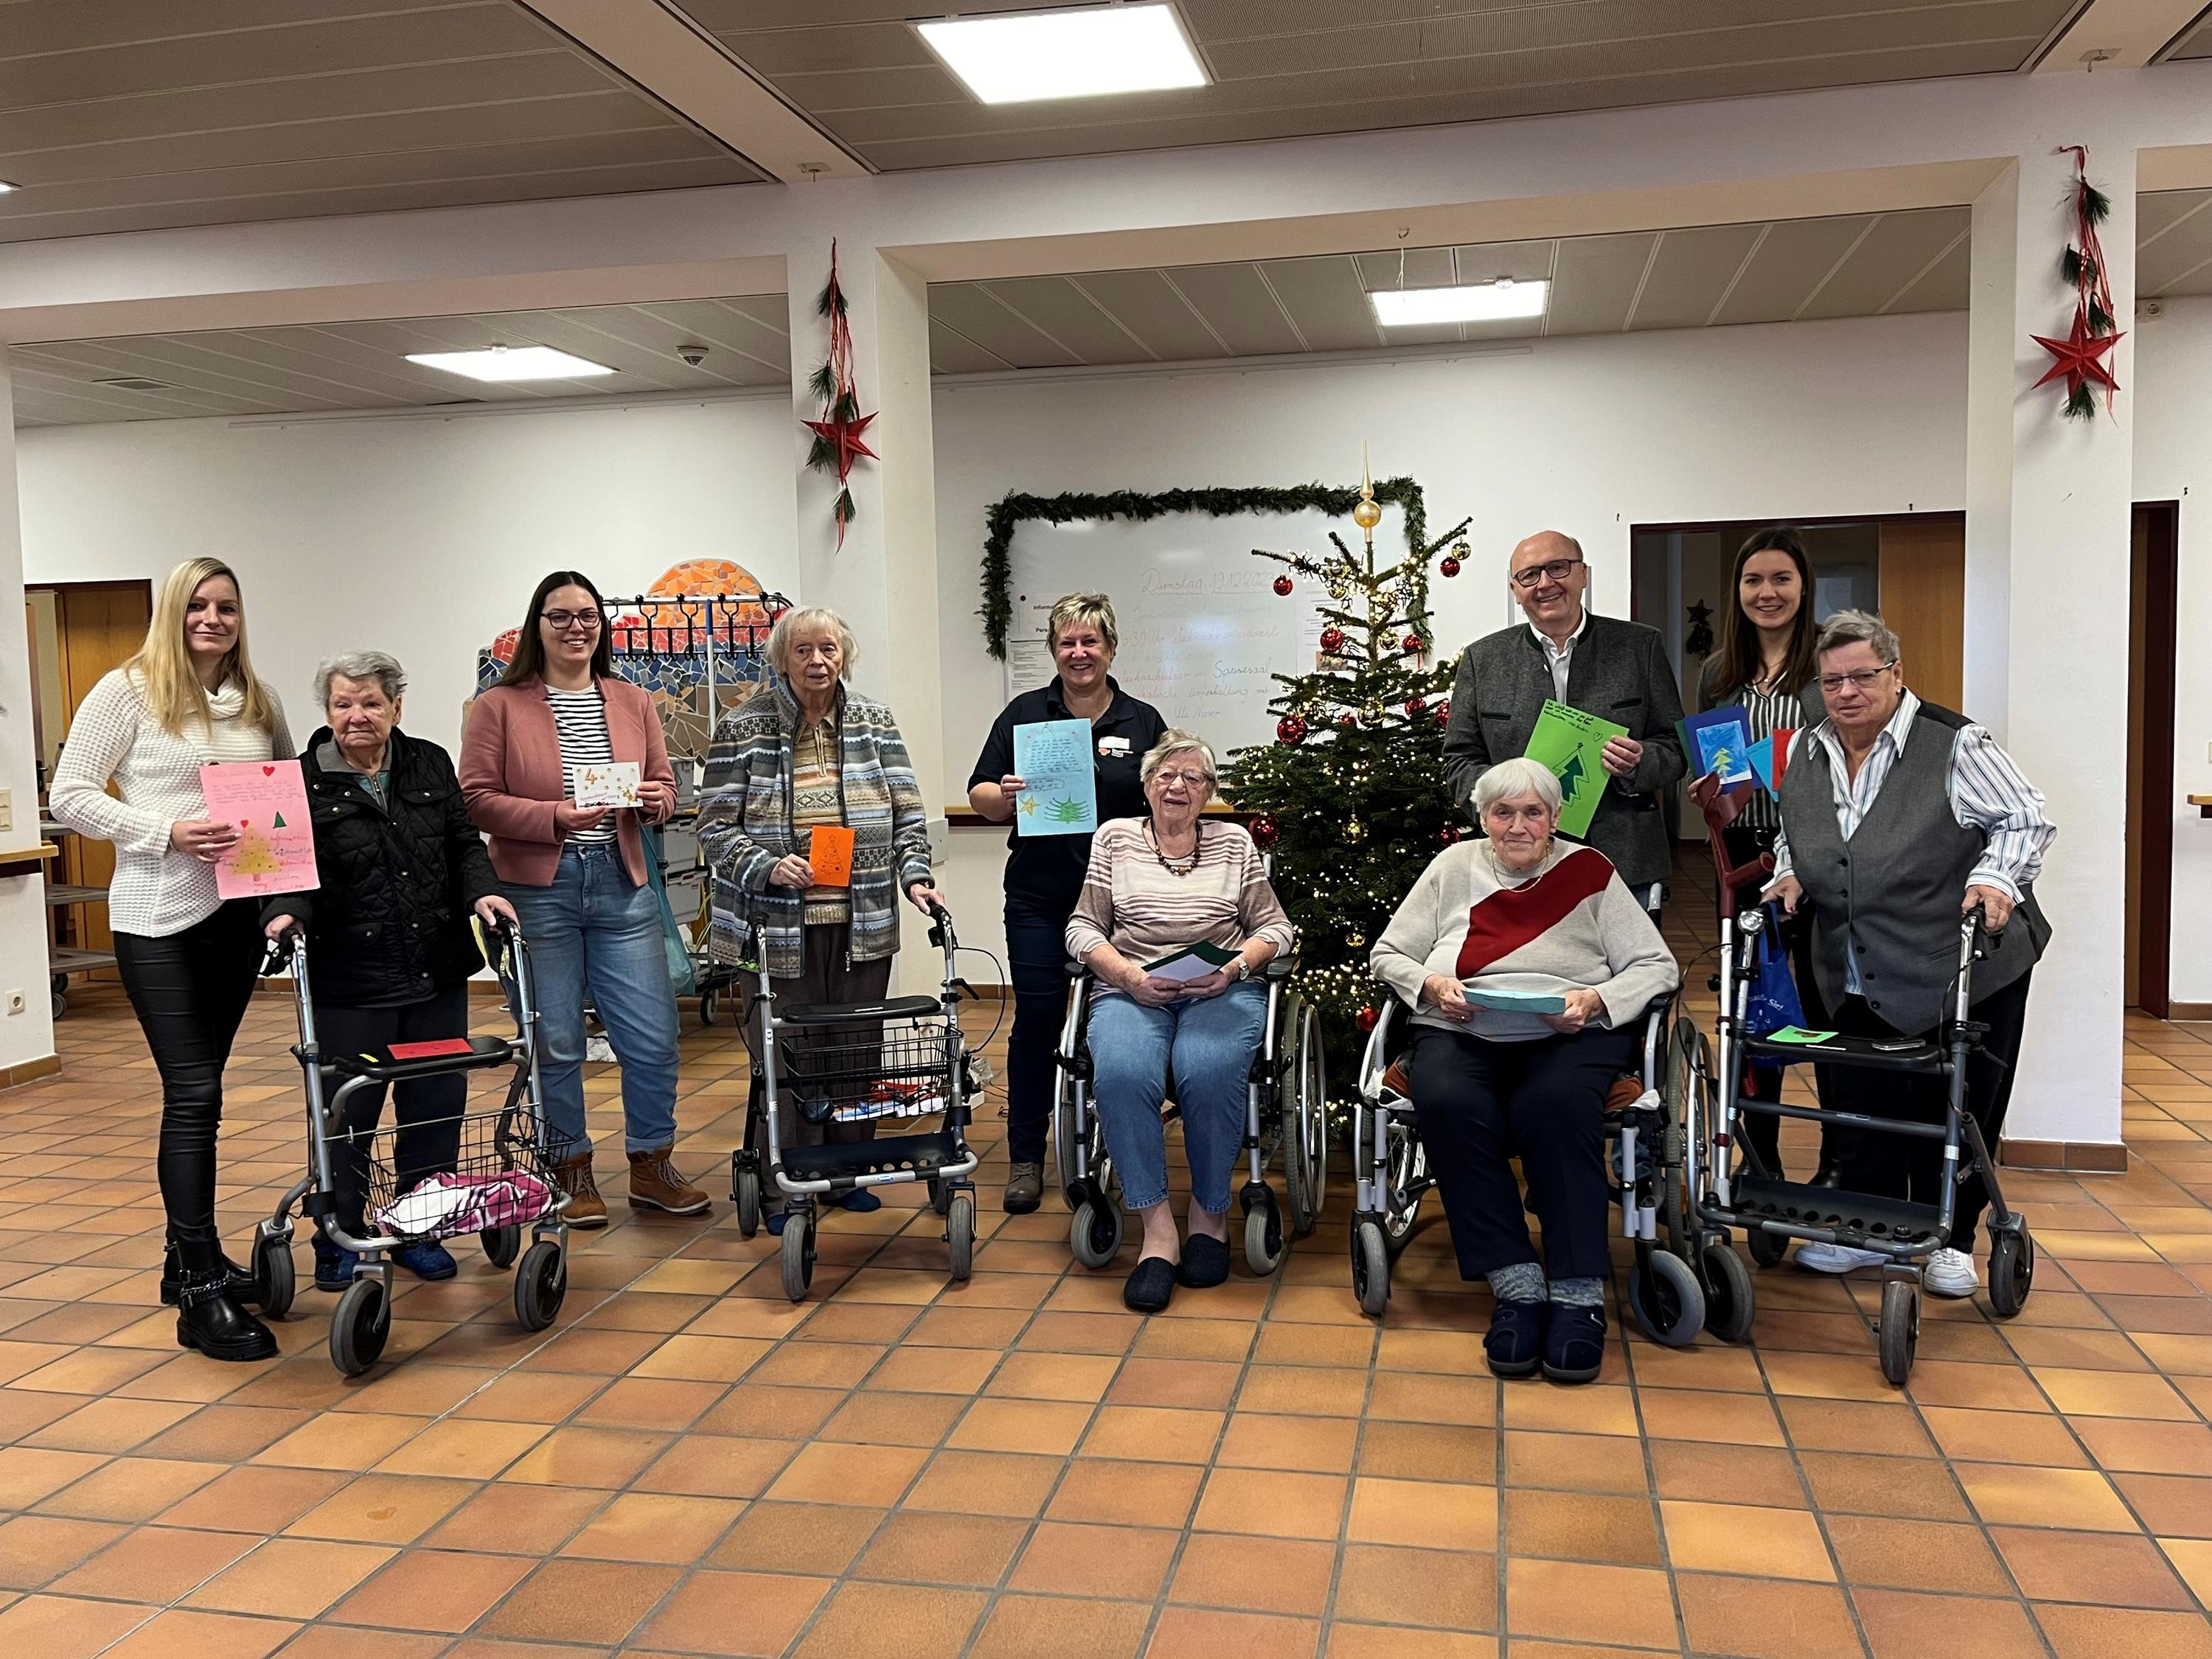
(1572, 743)
(1194, 962)
(1061, 796)
(268, 802)
(829, 850)
(613, 784)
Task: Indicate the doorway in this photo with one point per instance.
(2153, 557)
(78, 632)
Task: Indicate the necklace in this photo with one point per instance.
(1510, 877)
(1183, 864)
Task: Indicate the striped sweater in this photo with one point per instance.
(1133, 902)
(747, 823)
(1570, 925)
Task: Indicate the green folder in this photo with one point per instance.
(1798, 1033)
(1571, 742)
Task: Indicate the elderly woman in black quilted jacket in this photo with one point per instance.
(388, 935)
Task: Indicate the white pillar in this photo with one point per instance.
(2047, 594)
(883, 581)
(26, 1040)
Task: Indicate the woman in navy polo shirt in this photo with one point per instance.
(1044, 873)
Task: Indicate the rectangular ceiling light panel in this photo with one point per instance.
(1471, 302)
(1085, 51)
(511, 363)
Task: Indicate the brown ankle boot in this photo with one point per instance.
(654, 1185)
(585, 1207)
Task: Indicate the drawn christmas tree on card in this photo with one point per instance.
(255, 857)
(1067, 811)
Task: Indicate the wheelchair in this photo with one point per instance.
(1286, 1113)
(1647, 1125)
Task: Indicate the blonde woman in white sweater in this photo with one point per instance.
(188, 958)
(1520, 914)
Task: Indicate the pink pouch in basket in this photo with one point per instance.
(446, 1205)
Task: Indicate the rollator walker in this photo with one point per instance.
(901, 1057)
(502, 1180)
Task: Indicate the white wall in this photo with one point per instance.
(422, 537)
(2173, 454)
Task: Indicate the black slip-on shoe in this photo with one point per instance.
(1151, 1287)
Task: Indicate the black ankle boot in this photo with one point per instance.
(209, 1317)
(241, 1279)
(1828, 1175)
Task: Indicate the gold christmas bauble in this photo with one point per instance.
(1367, 514)
(1355, 940)
(1354, 829)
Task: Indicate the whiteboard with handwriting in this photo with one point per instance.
(1202, 627)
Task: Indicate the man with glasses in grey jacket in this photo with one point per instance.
(1617, 671)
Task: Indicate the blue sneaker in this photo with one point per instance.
(429, 1260)
(333, 1266)
(860, 1201)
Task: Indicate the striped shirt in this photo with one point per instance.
(1144, 911)
(580, 718)
(1987, 791)
(1768, 712)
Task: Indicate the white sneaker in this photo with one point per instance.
(1950, 1272)
(1835, 1257)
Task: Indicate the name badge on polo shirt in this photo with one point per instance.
(1114, 748)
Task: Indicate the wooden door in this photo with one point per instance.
(1924, 600)
(100, 625)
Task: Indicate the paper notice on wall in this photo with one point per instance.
(267, 800)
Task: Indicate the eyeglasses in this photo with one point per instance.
(562, 620)
(1194, 779)
(1862, 681)
(1555, 572)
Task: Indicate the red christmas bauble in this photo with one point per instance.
(1450, 567)
(1291, 728)
(1266, 831)
(1443, 713)
(1449, 835)
(1415, 708)
(1349, 720)
(1367, 1018)
(1282, 586)
(1413, 644)
(1332, 640)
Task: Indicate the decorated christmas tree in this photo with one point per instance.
(1350, 798)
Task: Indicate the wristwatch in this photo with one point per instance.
(1243, 969)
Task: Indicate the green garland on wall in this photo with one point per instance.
(1005, 517)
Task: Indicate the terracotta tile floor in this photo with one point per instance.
(687, 1465)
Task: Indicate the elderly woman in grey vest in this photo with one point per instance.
(1898, 818)
(1492, 924)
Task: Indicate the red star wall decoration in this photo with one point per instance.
(837, 435)
(2078, 359)
(2081, 362)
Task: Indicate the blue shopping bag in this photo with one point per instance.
(1773, 1003)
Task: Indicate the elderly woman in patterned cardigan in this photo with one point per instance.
(804, 753)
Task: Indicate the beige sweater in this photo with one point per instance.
(1571, 924)
(1146, 911)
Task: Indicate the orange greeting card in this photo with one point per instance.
(829, 850)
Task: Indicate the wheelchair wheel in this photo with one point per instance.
(1767, 1248)
(1900, 1335)
(1305, 1121)
(2012, 1272)
(501, 1245)
(1731, 1302)
(960, 1233)
(745, 1192)
(1370, 1269)
(541, 1285)
(709, 999)
(360, 1326)
(1095, 1234)
(1666, 1299)
(274, 1278)
(798, 1252)
(1067, 1129)
(1409, 1166)
(1263, 1238)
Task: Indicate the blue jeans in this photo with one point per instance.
(595, 930)
(1209, 1046)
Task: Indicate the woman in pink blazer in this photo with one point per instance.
(577, 877)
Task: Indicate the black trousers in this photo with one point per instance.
(1763, 1133)
(1479, 1103)
(190, 991)
(428, 1108)
(826, 975)
(1036, 957)
(1911, 1167)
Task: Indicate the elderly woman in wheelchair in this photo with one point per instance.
(1528, 963)
(1176, 921)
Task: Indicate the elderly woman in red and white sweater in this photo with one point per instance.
(1528, 963)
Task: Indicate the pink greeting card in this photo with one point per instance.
(268, 802)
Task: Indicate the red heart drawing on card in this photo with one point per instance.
(268, 771)
(246, 823)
